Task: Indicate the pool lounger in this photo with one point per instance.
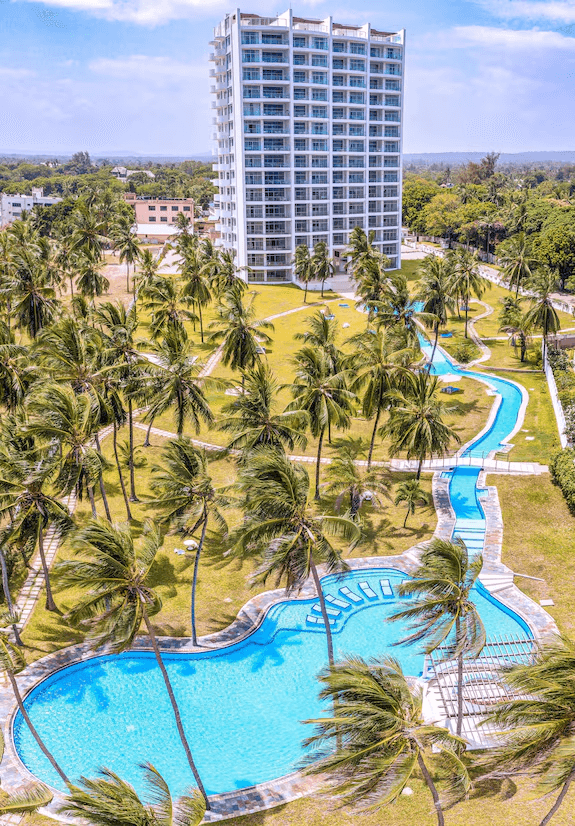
(386, 588)
(339, 603)
(348, 594)
(331, 612)
(367, 590)
(318, 620)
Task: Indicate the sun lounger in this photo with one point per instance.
(350, 595)
(339, 603)
(386, 588)
(318, 620)
(367, 590)
(331, 612)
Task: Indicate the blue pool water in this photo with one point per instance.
(242, 706)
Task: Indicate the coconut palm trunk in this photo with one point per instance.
(559, 800)
(50, 604)
(430, 363)
(33, 731)
(133, 497)
(101, 483)
(321, 598)
(431, 786)
(321, 435)
(92, 499)
(195, 577)
(459, 680)
(8, 596)
(374, 431)
(120, 474)
(147, 442)
(175, 707)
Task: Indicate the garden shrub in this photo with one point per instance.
(562, 467)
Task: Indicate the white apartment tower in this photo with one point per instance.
(308, 126)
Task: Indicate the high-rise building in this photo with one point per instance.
(308, 126)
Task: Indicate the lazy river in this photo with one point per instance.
(243, 705)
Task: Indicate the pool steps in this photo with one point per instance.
(336, 605)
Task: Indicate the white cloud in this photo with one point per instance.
(140, 103)
(142, 12)
(556, 10)
(516, 39)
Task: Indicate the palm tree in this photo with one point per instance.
(26, 799)
(360, 252)
(11, 663)
(17, 374)
(109, 801)
(222, 272)
(515, 322)
(322, 264)
(251, 420)
(396, 309)
(56, 415)
(347, 478)
(517, 259)
(536, 728)
(303, 267)
(413, 495)
(322, 395)
(168, 304)
(466, 279)
(177, 383)
(280, 522)
(147, 274)
(10, 613)
(415, 423)
(118, 597)
(127, 244)
(35, 305)
(435, 291)
(542, 315)
(185, 493)
(119, 326)
(87, 231)
(196, 281)
(91, 282)
(239, 332)
(322, 333)
(377, 367)
(371, 747)
(444, 614)
(24, 476)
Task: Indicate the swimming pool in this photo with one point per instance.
(242, 706)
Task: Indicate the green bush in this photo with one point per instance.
(562, 467)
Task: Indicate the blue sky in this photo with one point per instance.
(132, 75)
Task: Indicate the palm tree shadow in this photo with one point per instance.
(52, 636)
(504, 788)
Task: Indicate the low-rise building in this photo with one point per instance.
(158, 216)
(122, 174)
(12, 206)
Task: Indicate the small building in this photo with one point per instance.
(156, 233)
(159, 210)
(122, 174)
(12, 206)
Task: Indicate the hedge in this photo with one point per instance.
(562, 467)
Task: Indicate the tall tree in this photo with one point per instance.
(415, 423)
(518, 260)
(281, 523)
(536, 728)
(466, 278)
(303, 267)
(444, 613)
(251, 419)
(542, 315)
(185, 494)
(239, 332)
(351, 481)
(377, 738)
(109, 801)
(322, 264)
(322, 395)
(11, 663)
(127, 244)
(435, 291)
(413, 495)
(115, 577)
(168, 305)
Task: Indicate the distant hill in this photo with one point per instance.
(457, 158)
(122, 158)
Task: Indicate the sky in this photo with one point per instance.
(123, 76)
